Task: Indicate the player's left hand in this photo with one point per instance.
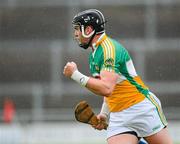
(69, 68)
(102, 122)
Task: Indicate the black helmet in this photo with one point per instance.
(90, 17)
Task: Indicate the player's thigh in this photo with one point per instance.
(123, 139)
(162, 137)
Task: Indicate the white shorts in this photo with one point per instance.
(145, 118)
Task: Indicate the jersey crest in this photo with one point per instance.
(109, 62)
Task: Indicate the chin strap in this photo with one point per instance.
(85, 46)
(92, 34)
(83, 33)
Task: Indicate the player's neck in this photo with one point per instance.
(95, 39)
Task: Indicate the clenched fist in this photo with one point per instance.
(69, 68)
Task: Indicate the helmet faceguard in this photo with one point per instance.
(91, 17)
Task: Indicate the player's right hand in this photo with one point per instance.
(102, 122)
(69, 68)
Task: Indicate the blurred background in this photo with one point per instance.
(37, 102)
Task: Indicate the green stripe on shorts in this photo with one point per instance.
(158, 108)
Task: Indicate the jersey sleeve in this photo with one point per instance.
(108, 56)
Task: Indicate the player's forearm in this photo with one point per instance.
(103, 86)
(99, 87)
(105, 109)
